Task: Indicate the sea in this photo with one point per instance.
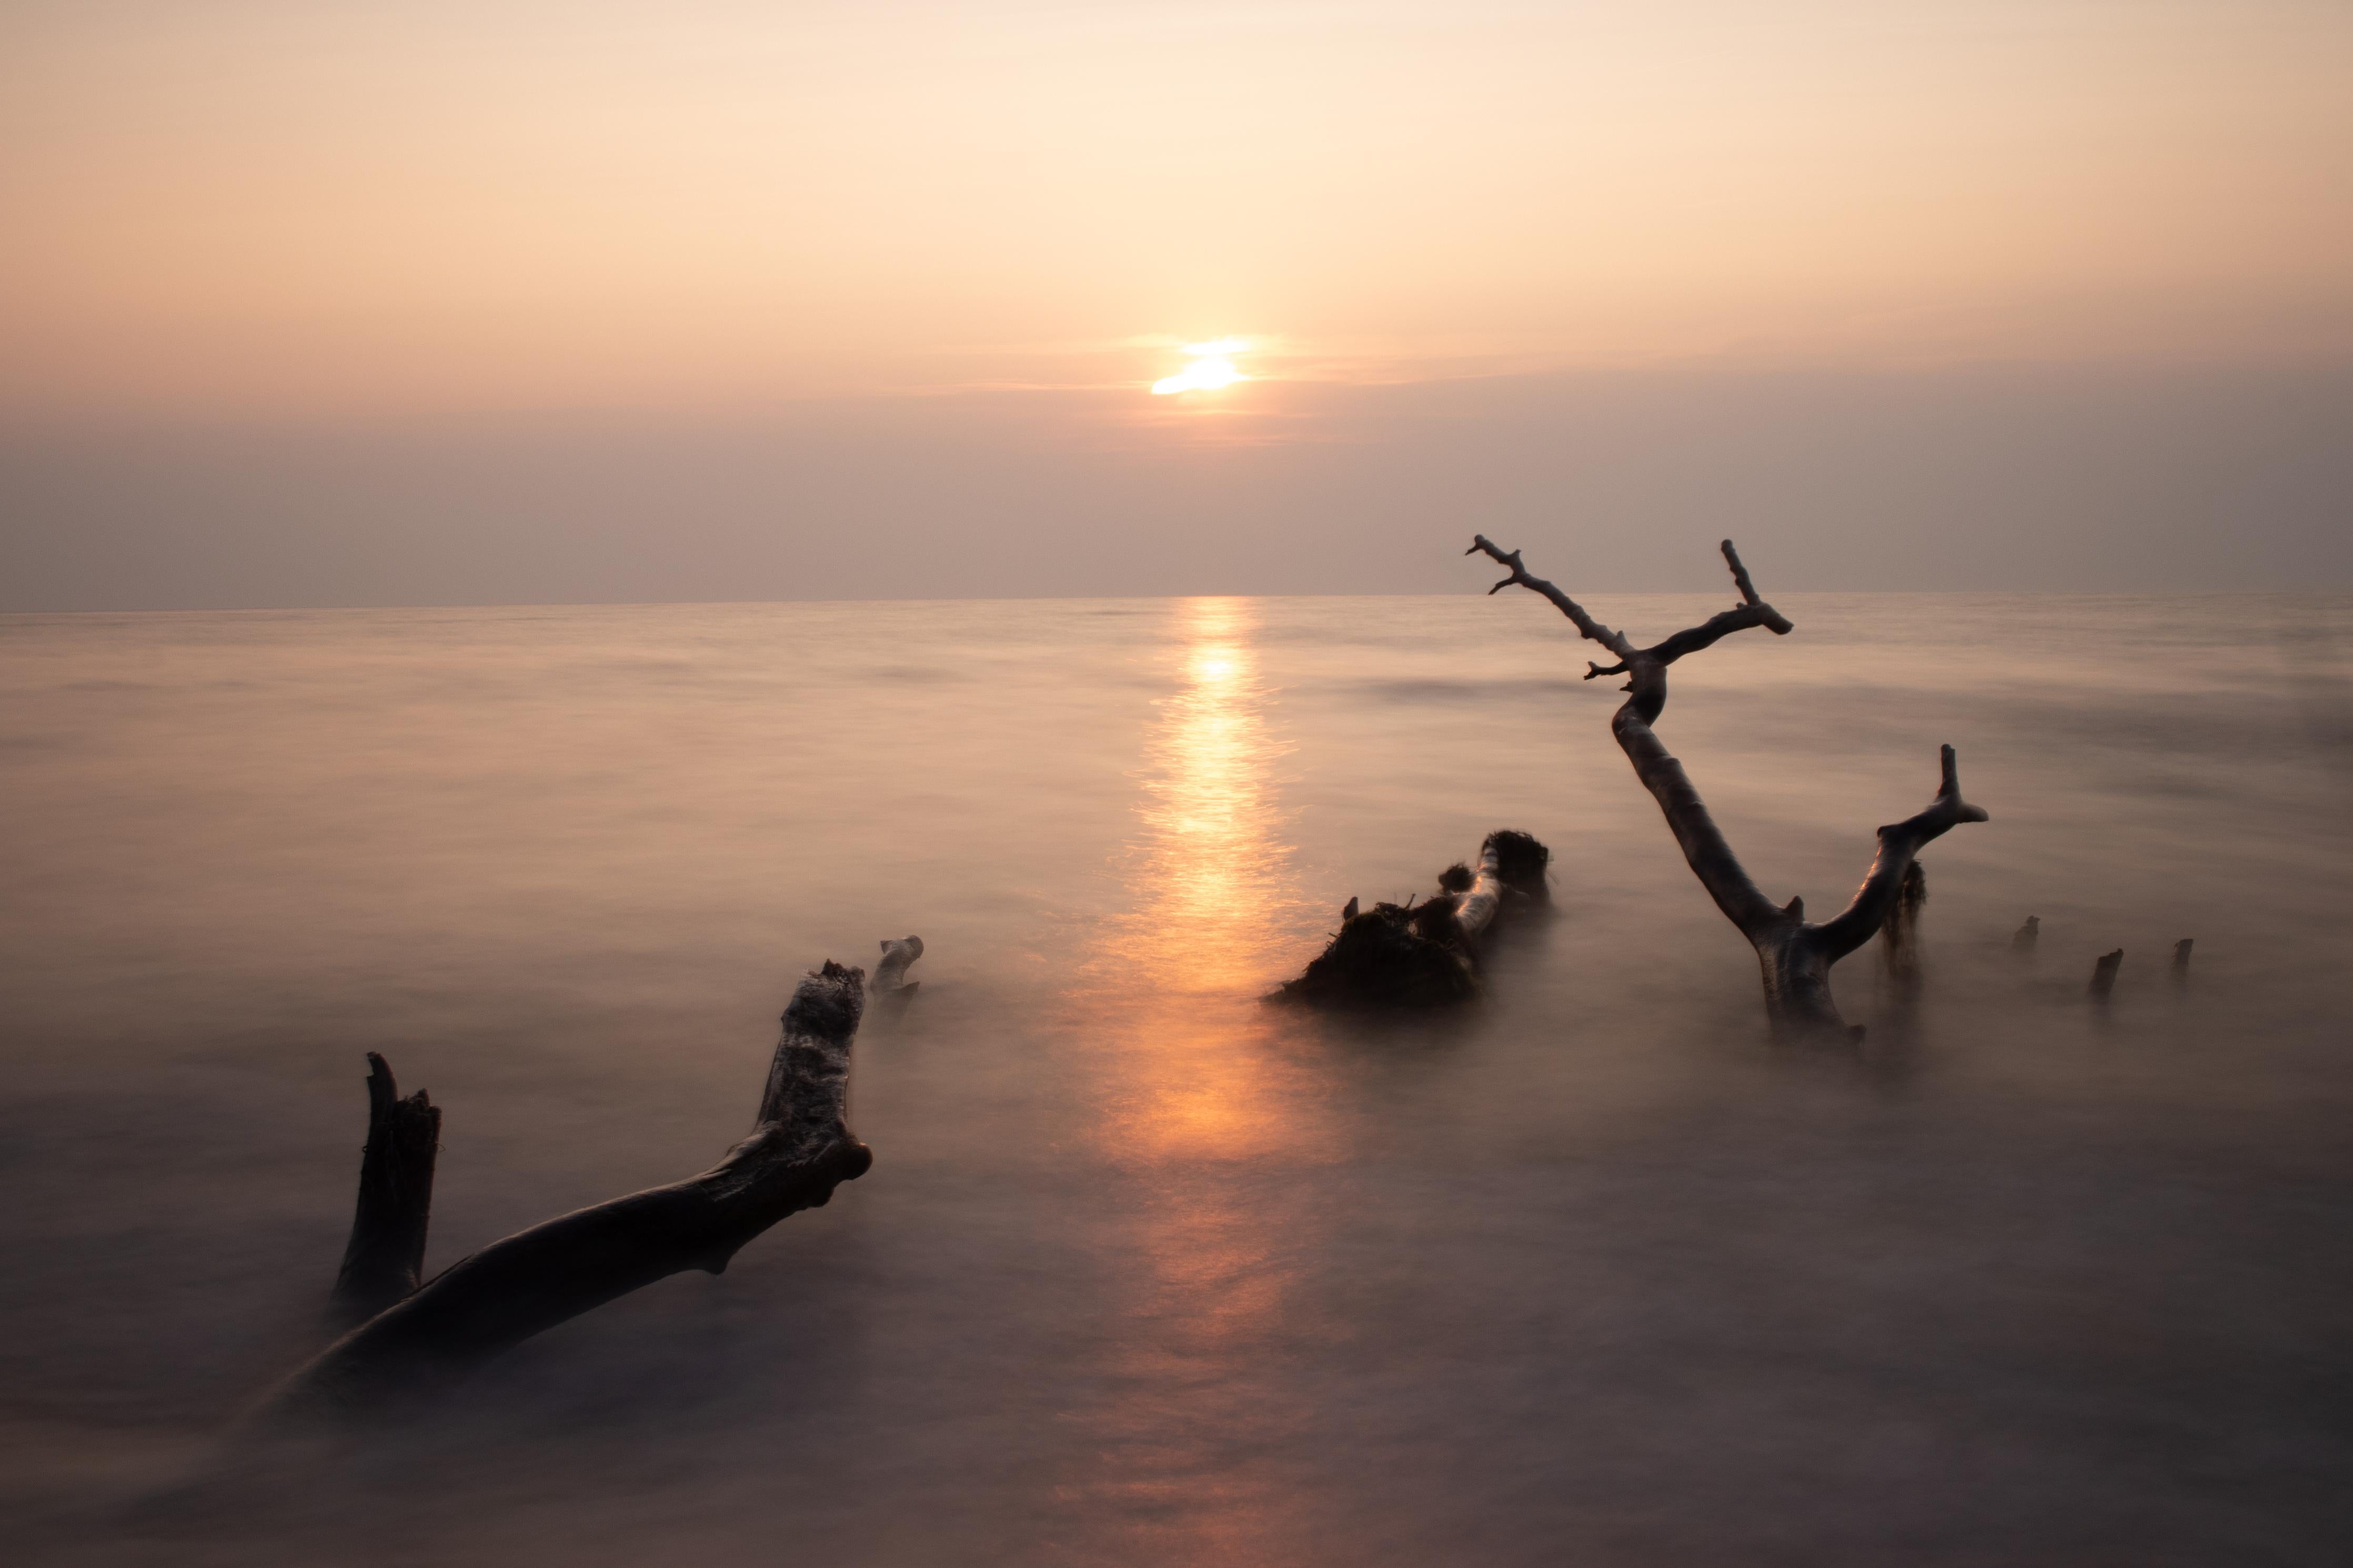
(1591, 1271)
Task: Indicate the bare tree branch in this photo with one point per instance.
(1794, 956)
(799, 1150)
(1705, 851)
(1898, 843)
(1591, 630)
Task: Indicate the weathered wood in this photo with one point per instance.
(2104, 973)
(799, 1150)
(1900, 937)
(891, 973)
(2181, 958)
(1794, 956)
(2022, 940)
(1426, 954)
(386, 1255)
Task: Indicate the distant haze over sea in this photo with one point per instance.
(2085, 478)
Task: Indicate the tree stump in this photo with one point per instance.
(385, 1256)
(1423, 955)
(2104, 973)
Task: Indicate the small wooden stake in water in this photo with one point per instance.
(2104, 973)
(2181, 959)
(2024, 940)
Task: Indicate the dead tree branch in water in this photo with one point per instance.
(799, 1150)
(1794, 954)
(1900, 937)
(385, 1256)
(1426, 954)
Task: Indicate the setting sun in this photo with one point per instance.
(1210, 368)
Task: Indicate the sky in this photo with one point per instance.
(342, 304)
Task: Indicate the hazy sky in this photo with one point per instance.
(344, 303)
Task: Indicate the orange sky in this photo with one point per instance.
(296, 208)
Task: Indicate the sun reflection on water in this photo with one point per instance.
(1215, 905)
(1203, 1104)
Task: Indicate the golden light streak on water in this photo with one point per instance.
(1215, 905)
(1204, 1105)
(1216, 853)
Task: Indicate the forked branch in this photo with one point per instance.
(1752, 612)
(799, 1150)
(1794, 956)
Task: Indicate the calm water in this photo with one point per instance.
(1144, 1274)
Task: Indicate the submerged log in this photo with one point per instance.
(385, 1256)
(799, 1150)
(1426, 954)
(1794, 955)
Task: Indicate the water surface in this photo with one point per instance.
(1146, 1273)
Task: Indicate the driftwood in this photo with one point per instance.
(800, 1148)
(385, 1256)
(2104, 973)
(891, 973)
(1794, 954)
(1900, 937)
(1426, 954)
(2181, 958)
(2022, 940)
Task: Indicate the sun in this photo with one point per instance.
(1211, 368)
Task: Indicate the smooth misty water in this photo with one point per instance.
(1145, 1273)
